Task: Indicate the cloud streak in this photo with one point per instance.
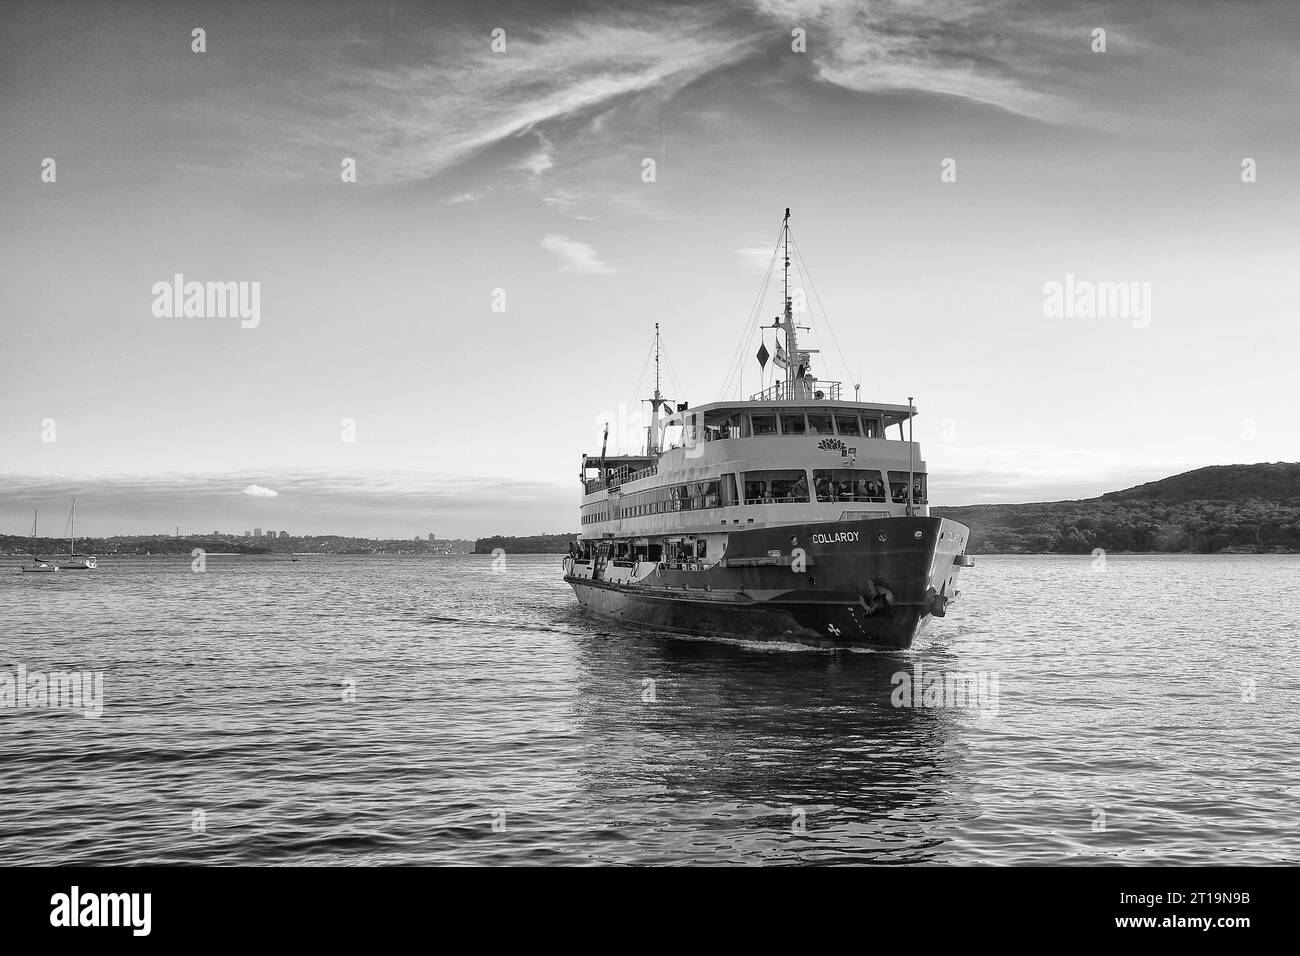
(755, 257)
(575, 257)
(412, 111)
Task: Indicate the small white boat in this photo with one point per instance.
(37, 565)
(76, 562)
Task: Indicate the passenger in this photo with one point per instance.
(823, 489)
(844, 492)
(916, 493)
(800, 490)
(863, 489)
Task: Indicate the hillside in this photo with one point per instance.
(1251, 508)
(1278, 482)
(531, 544)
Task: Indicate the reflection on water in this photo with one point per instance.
(763, 741)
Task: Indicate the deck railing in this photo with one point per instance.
(619, 476)
(814, 389)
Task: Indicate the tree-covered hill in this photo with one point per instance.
(529, 544)
(1277, 481)
(1251, 508)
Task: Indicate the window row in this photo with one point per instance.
(846, 423)
(771, 486)
(831, 484)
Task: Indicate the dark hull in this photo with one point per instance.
(814, 591)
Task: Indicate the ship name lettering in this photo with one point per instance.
(838, 537)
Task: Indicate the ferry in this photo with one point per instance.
(797, 515)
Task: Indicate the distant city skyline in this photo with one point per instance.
(438, 341)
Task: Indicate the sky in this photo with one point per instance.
(438, 342)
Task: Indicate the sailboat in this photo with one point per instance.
(76, 562)
(37, 564)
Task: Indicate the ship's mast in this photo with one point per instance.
(604, 444)
(791, 338)
(652, 441)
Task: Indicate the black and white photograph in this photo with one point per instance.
(743, 433)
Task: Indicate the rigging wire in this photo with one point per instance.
(803, 270)
(634, 402)
(736, 366)
(672, 372)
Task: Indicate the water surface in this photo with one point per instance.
(423, 710)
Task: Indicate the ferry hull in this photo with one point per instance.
(849, 583)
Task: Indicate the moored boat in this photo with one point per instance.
(38, 565)
(74, 561)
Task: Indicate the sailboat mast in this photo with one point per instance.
(72, 537)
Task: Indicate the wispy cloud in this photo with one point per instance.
(575, 256)
(1022, 56)
(408, 116)
(755, 257)
(257, 491)
(564, 201)
(539, 161)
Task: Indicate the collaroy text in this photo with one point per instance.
(839, 536)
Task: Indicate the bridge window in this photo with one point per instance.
(819, 424)
(733, 428)
(847, 424)
(792, 424)
(763, 424)
(871, 428)
(848, 484)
